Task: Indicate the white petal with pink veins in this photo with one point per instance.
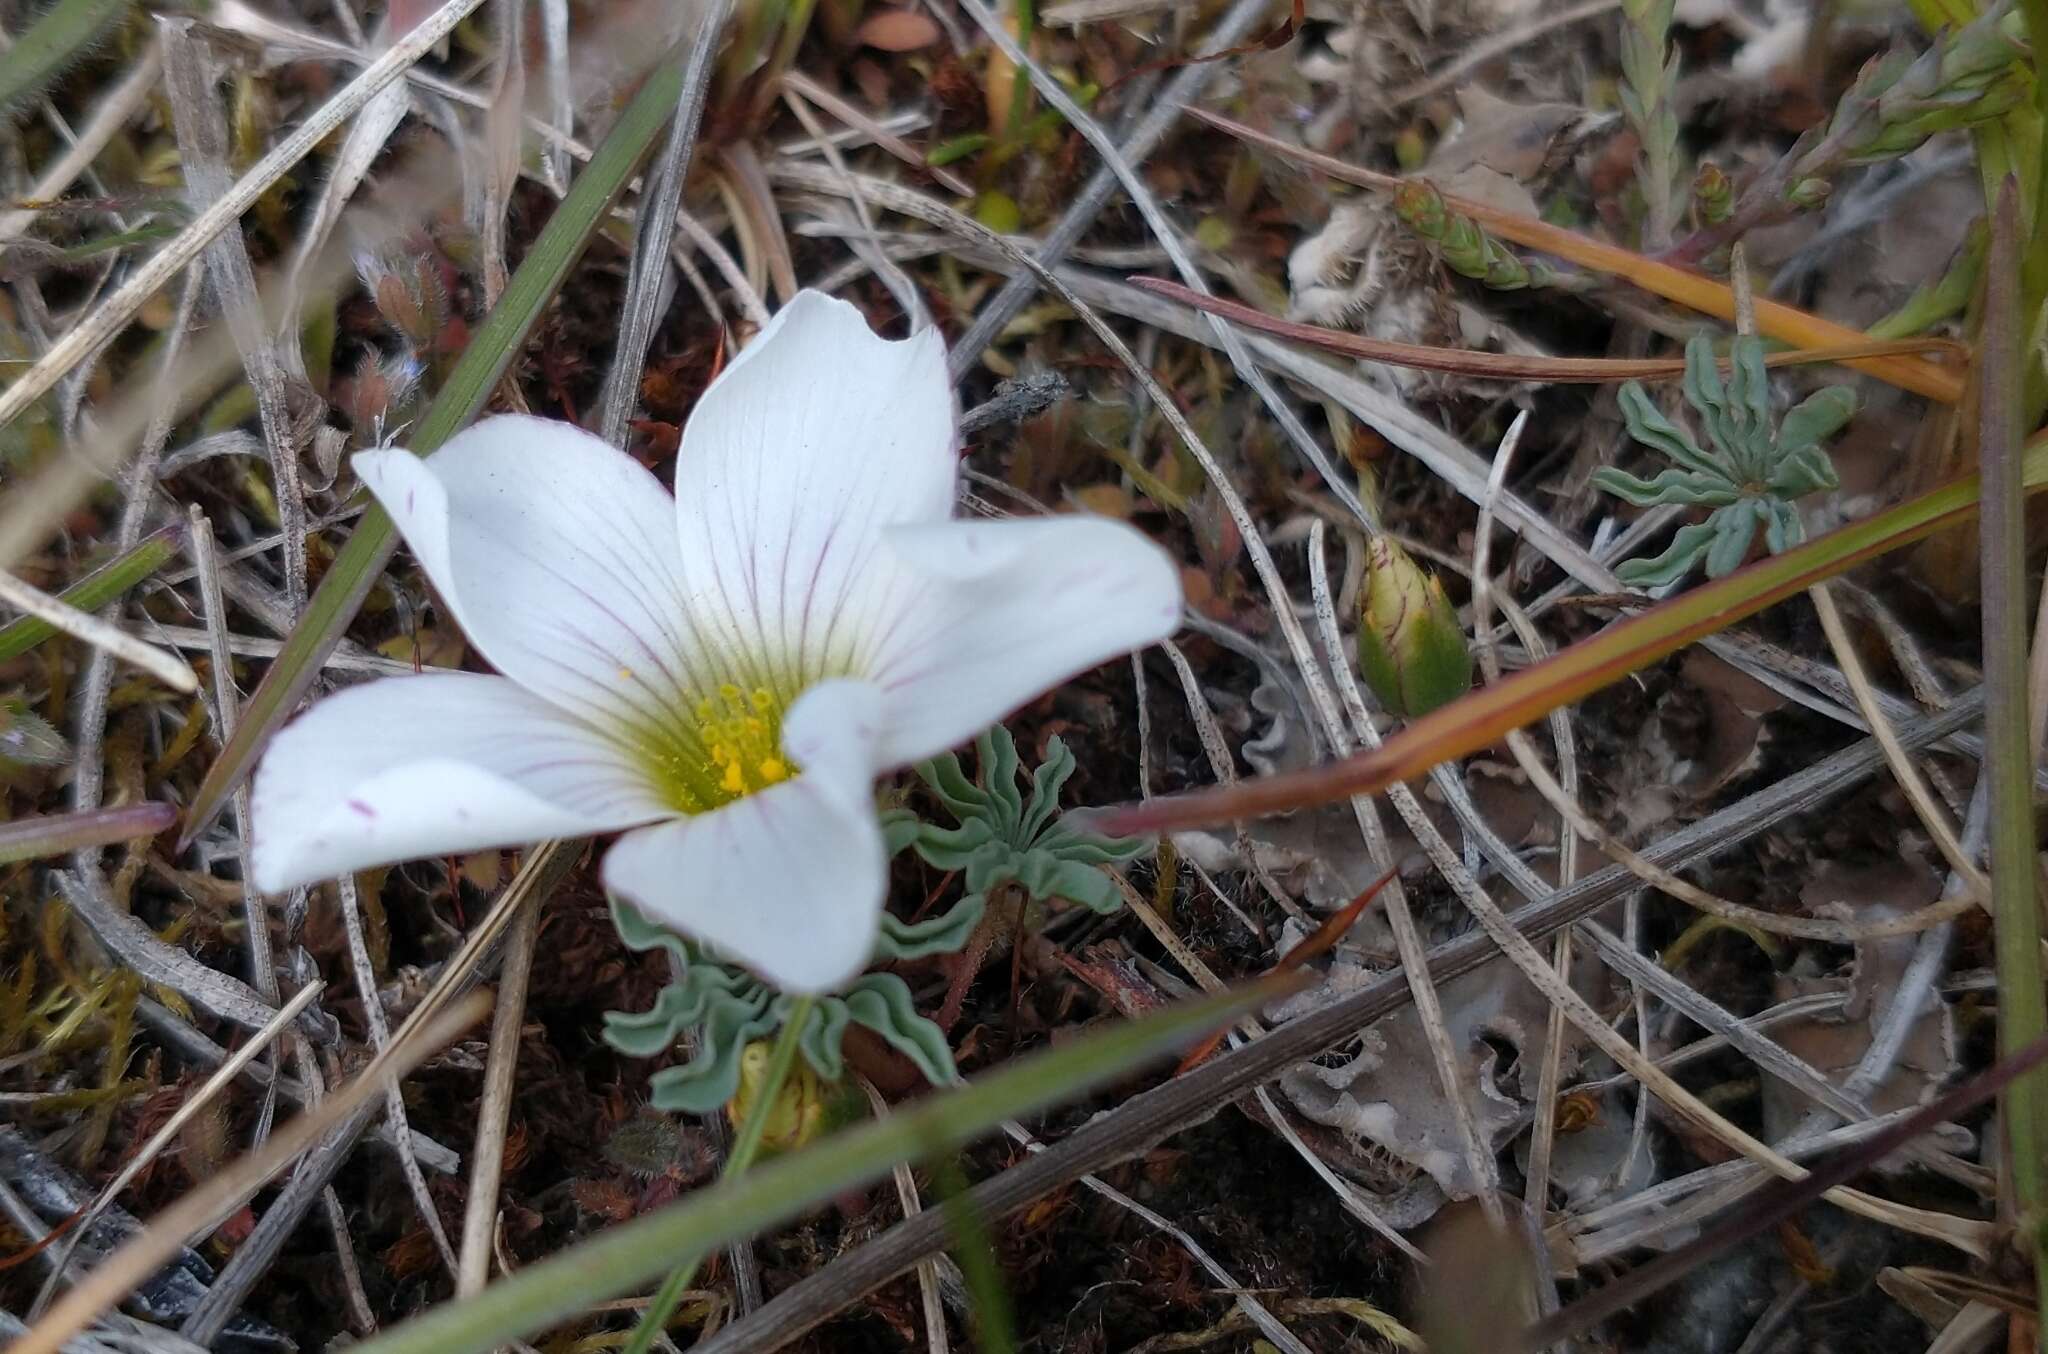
(557, 554)
(406, 767)
(1007, 611)
(817, 438)
(788, 881)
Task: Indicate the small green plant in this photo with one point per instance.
(1968, 75)
(1007, 845)
(1753, 474)
(1649, 69)
(1004, 837)
(728, 1008)
(1465, 246)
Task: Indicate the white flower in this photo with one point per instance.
(725, 673)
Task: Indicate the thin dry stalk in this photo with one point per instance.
(1141, 197)
(1533, 967)
(1254, 1310)
(1158, 119)
(169, 669)
(198, 1100)
(660, 199)
(1500, 44)
(861, 240)
(488, 201)
(226, 709)
(110, 114)
(1903, 770)
(1544, 1134)
(1250, 1028)
(1224, 768)
(96, 687)
(855, 117)
(487, 1155)
(206, 1206)
(937, 1341)
(380, 1039)
(115, 311)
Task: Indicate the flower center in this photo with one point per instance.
(724, 747)
(742, 734)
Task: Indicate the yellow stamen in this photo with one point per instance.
(728, 746)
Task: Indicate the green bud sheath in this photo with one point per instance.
(1411, 649)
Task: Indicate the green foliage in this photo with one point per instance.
(1649, 71)
(1752, 475)
(727, 1008)
(96, 589)
(1003, 837)
(1464, 244)
(65, 35)
(1006, 837)
(1970, 75)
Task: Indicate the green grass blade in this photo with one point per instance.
(2008, 737)
(53, 44)
(995, 1323)
(623, 1259)
(491, 351)
(1480, 719)
(95, 590)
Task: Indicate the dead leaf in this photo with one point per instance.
(1389, 1094)
(1834, 1045)
(898, 30)
(1520, 141)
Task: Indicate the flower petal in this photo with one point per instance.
(1008, 610)
(413, 766)
(789, 881)
(556, 552)
(816, 438)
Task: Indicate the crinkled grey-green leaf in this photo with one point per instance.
(1688, 543)
(1648, 425)
(899, 828)
(1734, 528)
(956, 848)
(1669, 486)
(943, 934)
(1815, 419)
(1705, 392)
(1004, 836)
(882, 1002)
(1749, 394)
(1805, 471)
(1752, 474)
(1783, 529)
(725, 1009)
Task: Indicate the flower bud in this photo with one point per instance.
(1713, 194)
(1809, 194)
(1411, 649)
(1423, 208)
(806, 1107)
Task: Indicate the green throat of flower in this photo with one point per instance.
(724, 747)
